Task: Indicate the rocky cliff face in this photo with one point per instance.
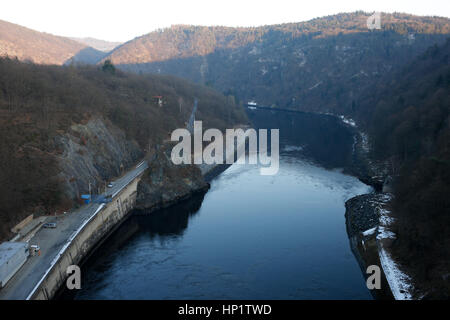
(94, 153)
(165, 183)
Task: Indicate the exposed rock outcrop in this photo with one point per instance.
(165, 183)
(363, 219)
(94, 153)
(361, 214)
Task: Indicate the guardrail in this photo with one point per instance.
(61, 252)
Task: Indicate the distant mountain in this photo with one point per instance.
(87, 55)
(98, 44)
(318, 65)
(38, 47)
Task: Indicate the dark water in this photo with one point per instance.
(248, 237)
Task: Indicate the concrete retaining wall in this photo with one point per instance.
(22, 224)
(92, 232)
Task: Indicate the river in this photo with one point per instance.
(249, 237)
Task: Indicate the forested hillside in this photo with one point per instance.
(407, 115)
(34, 46)
(41, 105)
(319, 65)
(395, 82)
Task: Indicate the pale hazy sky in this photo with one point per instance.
(124, 20)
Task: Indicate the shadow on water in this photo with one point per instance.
(323, 138)
(172, 221)
(167, 222)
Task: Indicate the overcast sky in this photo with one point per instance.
(124, 20)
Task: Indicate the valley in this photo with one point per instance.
(364, 125)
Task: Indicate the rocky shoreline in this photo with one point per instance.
(368, 221)
(165, 184)
(361, 214)
(362, 221)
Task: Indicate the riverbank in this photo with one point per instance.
(369, 220)
(161, 186)
(78, 233)
(166, 184)
(362, 222)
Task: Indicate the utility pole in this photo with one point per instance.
(90, 195)
(180, 102)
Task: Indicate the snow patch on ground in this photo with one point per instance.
(369, 232)
(348, 121)
(385, 219)
(365, 142)
(384, 233)
(399, 282)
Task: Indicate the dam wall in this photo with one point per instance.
(99, 225)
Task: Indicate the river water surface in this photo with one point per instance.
(249, 237)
